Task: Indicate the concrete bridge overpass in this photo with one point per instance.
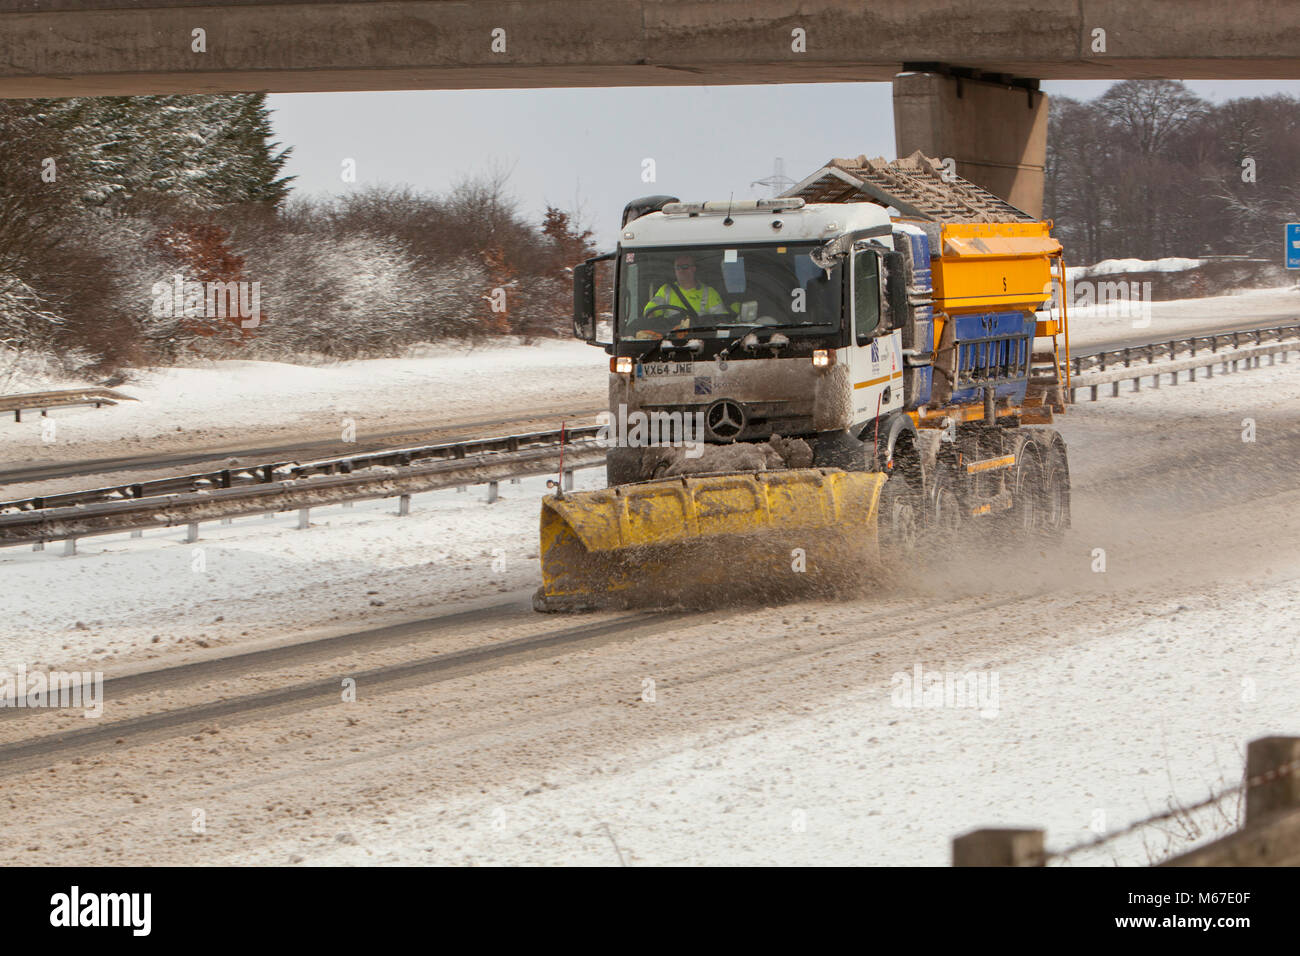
(971, 93)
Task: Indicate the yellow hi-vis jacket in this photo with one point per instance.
(703, 299)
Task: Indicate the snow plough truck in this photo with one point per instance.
(849, 375)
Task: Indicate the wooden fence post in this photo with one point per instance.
(998, 848)
(1281, 792)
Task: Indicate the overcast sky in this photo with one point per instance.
(584, 148)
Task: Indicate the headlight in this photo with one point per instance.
(621, 364)
(823, 358)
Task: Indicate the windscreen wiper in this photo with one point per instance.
(771, 330)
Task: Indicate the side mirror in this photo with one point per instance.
(584, 302)
(895, 291)
(825, 256)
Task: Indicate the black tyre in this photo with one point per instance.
(1055, 501)
(899, 519)
(1025, 519)
(946, 516)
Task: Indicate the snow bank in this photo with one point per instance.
(1108, 267)
(1153, 321)
(240, 400)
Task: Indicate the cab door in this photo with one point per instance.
(875, 352)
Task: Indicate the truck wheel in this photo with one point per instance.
(1025, 519)
(1055, 501)
(899, 518)
(946, 518)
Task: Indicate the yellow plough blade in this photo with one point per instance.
(658, 540)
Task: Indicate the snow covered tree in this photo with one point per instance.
(196, 152)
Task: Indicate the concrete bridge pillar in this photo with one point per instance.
(994, 127)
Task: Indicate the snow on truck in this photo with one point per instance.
(806, 384)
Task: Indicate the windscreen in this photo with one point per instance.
(720, 290)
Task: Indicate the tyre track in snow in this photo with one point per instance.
(20, 755)
(410, 637)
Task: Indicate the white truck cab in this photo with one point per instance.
(765, 317)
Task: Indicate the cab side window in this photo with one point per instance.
(866, 294)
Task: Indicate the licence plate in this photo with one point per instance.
(664, 369)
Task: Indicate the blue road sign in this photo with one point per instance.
(1293, 245)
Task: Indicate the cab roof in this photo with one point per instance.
(706, 223)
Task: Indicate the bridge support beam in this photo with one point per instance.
(994, 128)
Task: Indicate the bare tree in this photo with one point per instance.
(1149, 113)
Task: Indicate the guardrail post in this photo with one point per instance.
(191, 532)
(1209, 370)
(70, 546)
(1277, 761)
(1094, 392)
(1191, 374)
(1137, 383)
(568, 480)
(304, 519)
(18, 414)
(1114, 389)
(998, 848)
(403, 506)
(494, 492)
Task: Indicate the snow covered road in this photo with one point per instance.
(739, 735)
